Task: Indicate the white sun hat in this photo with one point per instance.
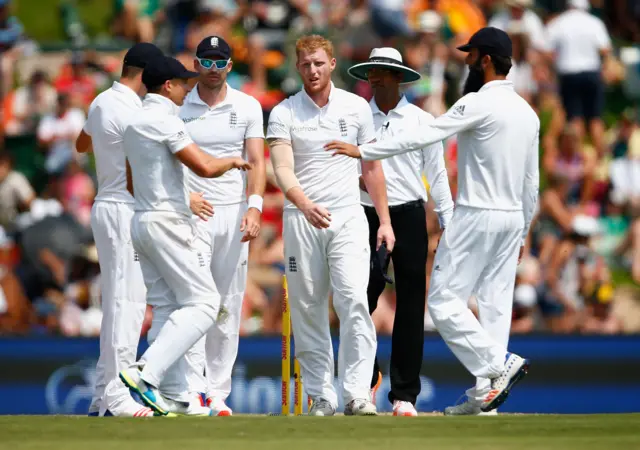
(386, 58)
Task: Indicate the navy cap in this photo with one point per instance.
(164, 68)
(213, 47)
(140, 54)
(490, 41)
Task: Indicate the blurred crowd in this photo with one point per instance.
(585, 237)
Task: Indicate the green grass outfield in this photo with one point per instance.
(549, 432)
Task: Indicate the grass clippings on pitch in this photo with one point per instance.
(549, 432)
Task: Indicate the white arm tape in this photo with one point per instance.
(282, 160)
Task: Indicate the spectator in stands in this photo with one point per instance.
(525, 296)
(10, 34)
(16, 193)
(267, 23)
(57, 134)
(581, 45)
(554, 219)
(521, 73)
(25, 106)
(563, 303)
(77, 193)
(135, 20)
(16, 314)
(530, 24)
(597, 291)
(574, 164)
(76, 82)
(389, 20)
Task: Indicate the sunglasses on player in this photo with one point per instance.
(211, 64)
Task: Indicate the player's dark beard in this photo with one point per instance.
(475, 80)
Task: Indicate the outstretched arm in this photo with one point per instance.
(462, 116)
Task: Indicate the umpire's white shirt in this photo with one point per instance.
(109, 115)
(328, 181)
(160, 180)
(221, 131)
(403, 173)
(498, 136)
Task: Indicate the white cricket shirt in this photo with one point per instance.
(160, 180)
(498, 134)
(577, 38)
(221, 131)
(403, 173)
(109, 115)
(329, 181)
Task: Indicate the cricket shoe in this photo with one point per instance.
(321, 407)
(194, 408)
(360, 407)
(467, 409)
(406, 409)
(132, 378)
(374, 390)
(219, 407)
(515, 369)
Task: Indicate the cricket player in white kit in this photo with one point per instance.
(123, 291)
(225, 122)
(173, 258)
(498, 181)
(325, 229)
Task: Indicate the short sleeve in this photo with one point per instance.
(367, 129)
(279, 126)
(92, 119)
(255, 122)
(602, 36)
(175, 134)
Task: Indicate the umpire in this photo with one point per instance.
(394, 115)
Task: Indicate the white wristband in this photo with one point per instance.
(255, 201)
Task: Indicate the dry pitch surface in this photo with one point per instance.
(549, 432)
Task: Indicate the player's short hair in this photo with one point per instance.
(501, 64)
(131, 71)
(312, 43)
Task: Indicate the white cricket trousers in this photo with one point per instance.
(477, 253)
(229, 270)
(123, 300)
(318, 260)
(175, 266)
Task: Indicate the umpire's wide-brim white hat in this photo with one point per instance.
(387, 58)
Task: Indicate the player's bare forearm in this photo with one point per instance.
(257, 177)
(373, 178)
(297, 196)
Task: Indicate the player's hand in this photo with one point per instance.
(199, 206)
(342, 148)
(239, 163)
(317, 215)
(250, 224)
(385, 234)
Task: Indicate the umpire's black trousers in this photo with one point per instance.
(409, 258)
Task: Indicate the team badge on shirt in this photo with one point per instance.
(343, 126)
(233, 119)
(293, 265)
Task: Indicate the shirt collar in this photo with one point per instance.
(159, 102)
(497, 83)
(126, 90)
(194, 97)
(399, 109)
(310, 100)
